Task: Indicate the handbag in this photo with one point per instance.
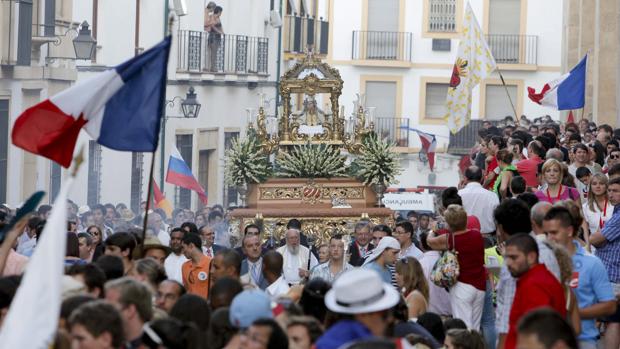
(446, 270)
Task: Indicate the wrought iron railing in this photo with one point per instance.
(514, 49)
(381, 45)
(393, 129)
(302, 32)
(201, 51)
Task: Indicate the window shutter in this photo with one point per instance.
(504, 17)
(497, 105)
(436, 100)
(382, 95)
(383, 15)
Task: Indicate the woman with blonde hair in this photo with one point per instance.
(414, 287)
(553, 174)
(467, 295)
(597, 210)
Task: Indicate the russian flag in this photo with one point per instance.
(429, 143)
(120, 108)
(180, 174)
(566, 92)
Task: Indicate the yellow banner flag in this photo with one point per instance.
(474, 62)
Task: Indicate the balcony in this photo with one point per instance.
(382, 46)
(203, 52)
(390, 129)
(514, 49)
(301, 32)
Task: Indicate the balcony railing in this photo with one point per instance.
(380, 45)
(201, 51)
(302, 32)
(513, 49)
(390, 129)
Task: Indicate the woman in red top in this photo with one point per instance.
(467, 296)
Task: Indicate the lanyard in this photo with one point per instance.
(601, 224)
(556, 199)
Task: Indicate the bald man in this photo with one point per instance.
(298, 261)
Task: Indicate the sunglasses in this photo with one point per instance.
(614, 156)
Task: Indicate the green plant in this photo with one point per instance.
(311, 161)
(377, 163)
(246, 162)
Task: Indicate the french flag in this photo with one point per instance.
(429, 143)
(566, 92)
(180, 174)
(120, 108)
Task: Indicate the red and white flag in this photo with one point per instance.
(429, 143)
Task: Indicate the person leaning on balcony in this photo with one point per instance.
(213, 26)
(209, 15)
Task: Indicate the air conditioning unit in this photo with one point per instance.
(442, 45)
(275, 20)
(180, 7)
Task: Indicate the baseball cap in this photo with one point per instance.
(248, 306)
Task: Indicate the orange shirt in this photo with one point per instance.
(196, 276)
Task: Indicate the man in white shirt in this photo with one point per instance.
(298, 260)
(404, 234)
(209, 248)
(155, 222)
(175, 260)
(478, 201)
(272, 272)
(439, 297)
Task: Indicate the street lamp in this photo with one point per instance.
(190, 108)
(84, 44)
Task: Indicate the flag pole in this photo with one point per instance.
(149, 194)
(148, 200)
(508, 94)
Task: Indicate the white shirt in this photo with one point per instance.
(411, 251)
(258, 265)
(278, 288)
(481, 203)
(164, 237)
(439, 298)
(593, 217)
(208, 251)
(173, 265)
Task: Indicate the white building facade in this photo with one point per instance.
(399, 53)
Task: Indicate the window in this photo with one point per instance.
(504, 29)
(94, 173)
(55, 179)
(382, 95)
(185, 144)
(230, 192)
(442, 16)
(382, 36)
(503, 18)
(497, 106)
(435, 103)
(4, 146)
(137, 163)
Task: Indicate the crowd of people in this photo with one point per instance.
(532, 234)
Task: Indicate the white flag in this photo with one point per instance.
(32, 320)
(474, 62)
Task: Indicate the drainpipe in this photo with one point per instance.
(279, 61)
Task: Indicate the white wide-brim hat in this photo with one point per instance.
(360, 291)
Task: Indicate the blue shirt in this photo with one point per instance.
(593, 287)
(386, 275)
(610, 252)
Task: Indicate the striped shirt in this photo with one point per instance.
(610, 252)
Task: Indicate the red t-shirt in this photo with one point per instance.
(535, 289)
(528, 169)
(491, 168)
(470, 253)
